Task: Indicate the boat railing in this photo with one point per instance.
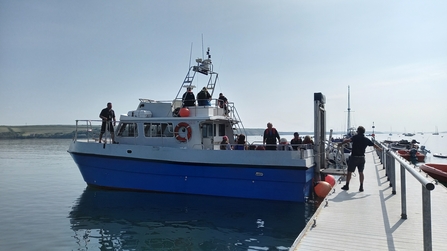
(90, 130)
(388, 159)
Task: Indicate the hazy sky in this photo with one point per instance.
(64, 60)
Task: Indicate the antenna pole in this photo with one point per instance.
(190, 55)
(349, 111)
(203, 56)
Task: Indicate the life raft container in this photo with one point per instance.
(186, 127)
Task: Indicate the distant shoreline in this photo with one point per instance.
(68, 131)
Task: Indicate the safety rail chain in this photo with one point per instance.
(388, 159)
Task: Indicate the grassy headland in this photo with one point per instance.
(37, 131)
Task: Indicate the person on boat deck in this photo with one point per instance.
(308, 141)
(223, 102)
(284, 145)
(270, 136)
(296, 141)
(357, 159)
(204, 97)
(413, 144)
(107, 115)
(240, 143)
(188, 98)
(224, 144)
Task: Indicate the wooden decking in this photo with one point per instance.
(371, 220)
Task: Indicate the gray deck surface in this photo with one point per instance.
(371, 220)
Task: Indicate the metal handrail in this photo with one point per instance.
(388, 158)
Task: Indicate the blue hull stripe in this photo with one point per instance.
(255, 182)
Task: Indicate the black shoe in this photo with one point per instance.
(361, 189)
(345, 187)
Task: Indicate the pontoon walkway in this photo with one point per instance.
(371, 220)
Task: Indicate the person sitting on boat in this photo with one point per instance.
(240, 143)
(308, 141)
(413, 144)
(270, 136)
(223, 102)
(188, 98)
(296, 141)
(107, 115)
(284, 145)
(204, 97)
(224, 144)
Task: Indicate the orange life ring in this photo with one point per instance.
(187, 127)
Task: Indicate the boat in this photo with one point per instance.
(436, 131)
(437, 171)
(164, 147)
(412, 155)
(439, 155)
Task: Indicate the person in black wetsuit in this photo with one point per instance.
(270, 136)
(357, 159)
(188, 98)
(107, 115)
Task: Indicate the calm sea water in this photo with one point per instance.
(46, 205)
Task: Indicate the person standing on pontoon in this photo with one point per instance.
(107, 115)
(270, 136)
(357, 159)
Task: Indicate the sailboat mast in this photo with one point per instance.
(349, 111)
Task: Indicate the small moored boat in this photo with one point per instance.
(440, 155)
(437, 171)
(412, 155)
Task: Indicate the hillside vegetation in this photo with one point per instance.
(37, 131)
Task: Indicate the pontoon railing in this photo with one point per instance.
(388, 159)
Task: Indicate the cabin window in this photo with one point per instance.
(158, 130)
(221, 130)
(207, 130)
(128, 130)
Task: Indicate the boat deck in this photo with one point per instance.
(371, 220)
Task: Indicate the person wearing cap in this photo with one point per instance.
(284, 145)
(224, 144)
(357, 159)
(188, 98)
(296, 141)
(270, 136)
(204, 97)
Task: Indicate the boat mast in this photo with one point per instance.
(349, 113)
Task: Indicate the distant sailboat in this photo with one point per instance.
(391, 129)
(436, 131)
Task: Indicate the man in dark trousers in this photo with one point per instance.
(107, 115)
(357, 159)
(270, 136)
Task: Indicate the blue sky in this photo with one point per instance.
(64, 60)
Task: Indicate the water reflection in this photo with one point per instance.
(123, 220)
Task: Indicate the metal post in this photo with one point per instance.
(393, 176)
(426, 218)
(403, 191)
